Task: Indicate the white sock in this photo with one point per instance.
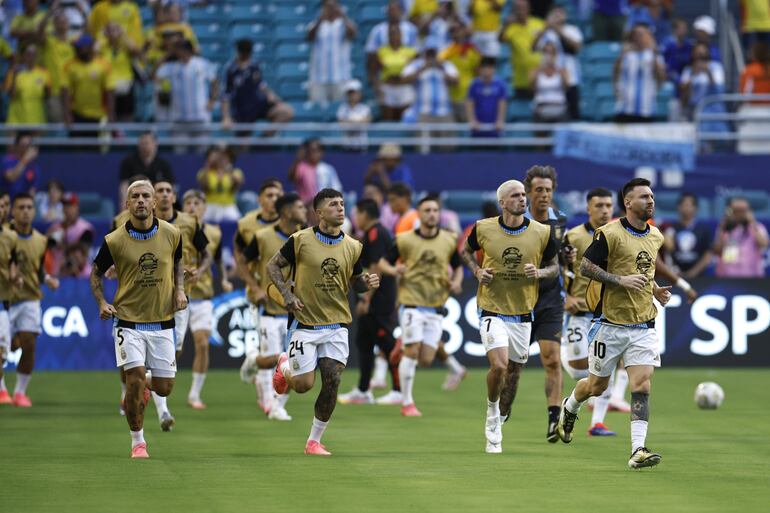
(2, 383)
(601, 404)
(161, 404)
(406, 371)
(638, 434)
(280, 400)
(285, 369)
(22, 380)
(317, 430)
(198, 378)
(380, 368)
(137, 437)
(621, 383)
(493, 408)
(453, 365)
(265, 382)
(573, 405)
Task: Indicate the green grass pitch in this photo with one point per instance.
(70, 452)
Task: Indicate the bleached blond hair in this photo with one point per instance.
(139, 183)
(505, 187)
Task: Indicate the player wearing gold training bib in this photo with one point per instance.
(426, 256)
(25, 313)
(325, 262)
(201, 307)
(514, 249)
(621, 264)
(273, 316)
(8, 276)
(147, 255)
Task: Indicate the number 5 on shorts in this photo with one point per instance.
(120, 336)
(296, 345)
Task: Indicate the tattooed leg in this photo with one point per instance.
(134, 402)
(331, 373)
(510, 387)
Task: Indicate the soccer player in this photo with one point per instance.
(426, 255)
(577, 317)
(376, 310)
(272, 317)
(8, 277)
(195, 261)
(201, 307)
(514, 248)
(25, 313)
(147, 255)
(325, 262)
(621, 264)
(540, 183)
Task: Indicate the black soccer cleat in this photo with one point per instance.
(642, 457)
(552, 434)
(566, 423)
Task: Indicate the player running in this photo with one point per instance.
(147, 255)
(577, 317)
(426, 255)
(8, 279)
(514, 249)
(273, 317)
(325, 262)
(25, 312)
(621, 264)
(201, 307)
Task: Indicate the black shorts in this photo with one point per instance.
(548, 323)
(376, 330)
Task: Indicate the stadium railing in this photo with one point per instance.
(739, 112)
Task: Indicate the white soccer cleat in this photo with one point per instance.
(494, 448)
(279, 413)
(494, 430)
(619, 405)
(392, 398)
(377, 384)
(355, 396)
(249, 369)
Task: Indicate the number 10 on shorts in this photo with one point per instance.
(600, 349)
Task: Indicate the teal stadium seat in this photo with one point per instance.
(294, 90)
(249, 13)
(602, 51)
(292, 51)
(310, 112)
(372, 13)
(209, 28)
(294, 12)
(95, 208)
(759, 201)
(292, 70)
(287, 32)
(206, 13)
(251, 30)
(520, 110)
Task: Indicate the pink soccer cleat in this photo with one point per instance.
(21, 400)
(410, 410)
(453, 380)
(314, 448)
(279, 381)
(196, 404)
(139, 451)
(5, 397)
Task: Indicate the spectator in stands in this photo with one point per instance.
(28, 85)
(740, 242)
(688, 241)
(439, 23)
(431, 78)
(355, 113)
(486, 18)
(48, 204)
(20, 169)
(422, 11)
(388, 167)
(330, 66)
(26, 27)
(309, 173)
(123, 12)
(568, 40)
(703, 77)
(705, 28)
(169, 27)
(755, 23)
(377, 192)
(677, 50)
(220, 180)
(144, 161)
(550, 82)
(118, 50)
(655, 14)
(638, 71)
(487, 101)
(400, 201)
(72, 239)
(76, 12)
(87, 86)
(755, 78)
(394, 94)
(379, 37)
(608, 20)
(519, 32)
(57, 52)
(466, 58)
(247, 97)
(193, 90)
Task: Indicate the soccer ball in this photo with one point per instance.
(709, 395)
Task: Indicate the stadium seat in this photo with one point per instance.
(292, 52)
(759, 201)
(206, 13)
(466, 200)
(665, 206)
(95, 208)
(309, 112)
(372, 13)
(249, 13)
(292, 70)
(520, 110)
(213, 27)
(602, 51)
(604, 90)
(293, 90)
(604, 109)
(247, 201)
(249, 30)
(290, 32)
(294, 12)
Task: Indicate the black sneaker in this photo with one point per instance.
(552, 435)
(566, 423)
(643, 457)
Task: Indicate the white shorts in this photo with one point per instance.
(25, 316)
(420, 325)
(397, 95)
(574, 338)
(607, 344)
(497, 332)
(272, 335)
(5, 333)
(181, 320)
(487, 43)
(306, 346)
(154, 350)
(218, 213)
(201, 315)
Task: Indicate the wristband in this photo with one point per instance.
(683, 284)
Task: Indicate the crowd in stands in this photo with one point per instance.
(77, 61)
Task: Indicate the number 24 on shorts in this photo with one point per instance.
(295, 346)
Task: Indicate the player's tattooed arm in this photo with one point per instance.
(180, 298)
(274, 266)
(469, 258)
(365, 282)
(106, 310)
(594, 272)
(549, 271)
